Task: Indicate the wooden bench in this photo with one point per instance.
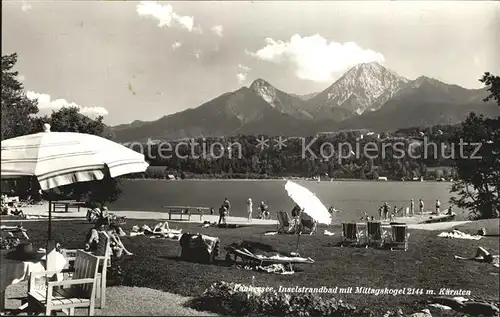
(186, 210)
(66, 204)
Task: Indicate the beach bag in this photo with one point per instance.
(199, 248)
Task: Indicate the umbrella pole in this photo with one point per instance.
(49, 235)
(297, 248)
(51, 245)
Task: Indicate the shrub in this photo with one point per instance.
(227, 299)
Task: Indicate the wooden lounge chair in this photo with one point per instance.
(15, 229)
(350, 234)
(103, 253)
(285, 224)
(55, 296)
(400, 237)
(250, 258)
(374, 233)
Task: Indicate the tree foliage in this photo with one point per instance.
(478, 186)
(17, 109)
(19, 118)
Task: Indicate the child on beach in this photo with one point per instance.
(227, 204)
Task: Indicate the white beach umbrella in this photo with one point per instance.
(62, 158)
(310, 204)
(308, 201)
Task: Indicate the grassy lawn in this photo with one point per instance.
(428, 264)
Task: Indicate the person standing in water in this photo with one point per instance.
(421, 203)
(438, 206)
(412, 207)
(249, 209)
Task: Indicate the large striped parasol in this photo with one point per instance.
(62, 158)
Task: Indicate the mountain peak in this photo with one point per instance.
(370, 65)
(259, 82)
(366, 86)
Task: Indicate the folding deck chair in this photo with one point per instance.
(284, 222)
(350, 234)
(374, 233)
(400, 237)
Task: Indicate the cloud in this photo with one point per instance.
(165, 15)
(243, 67)
(217, 29)
(197, 54)
(313, 58)
(176, 45)
(241, 77)
(26, 6)
(46, 105)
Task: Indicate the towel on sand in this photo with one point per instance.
(456, 234)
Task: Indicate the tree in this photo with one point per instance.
(18, 118)
(478, 184)
(17, 109)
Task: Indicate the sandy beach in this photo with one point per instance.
(38, 212)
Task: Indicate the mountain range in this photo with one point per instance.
(367, 96)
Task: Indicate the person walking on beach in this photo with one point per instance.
(438, 206)
(412, 207)
(386, 210)
(421, 203)
(264, 209)
(222, 214)
(249, 209)
(227, 204)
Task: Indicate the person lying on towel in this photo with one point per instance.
(482, 255)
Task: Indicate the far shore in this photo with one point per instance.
(281, 179)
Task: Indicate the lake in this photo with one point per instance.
(352, 197)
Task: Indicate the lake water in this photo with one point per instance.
(352, 197)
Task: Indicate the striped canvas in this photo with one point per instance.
(62, 158)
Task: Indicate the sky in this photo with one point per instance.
(131, 61)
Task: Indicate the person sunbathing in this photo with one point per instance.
(116, 243)
(161, 227)
(481, 256)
